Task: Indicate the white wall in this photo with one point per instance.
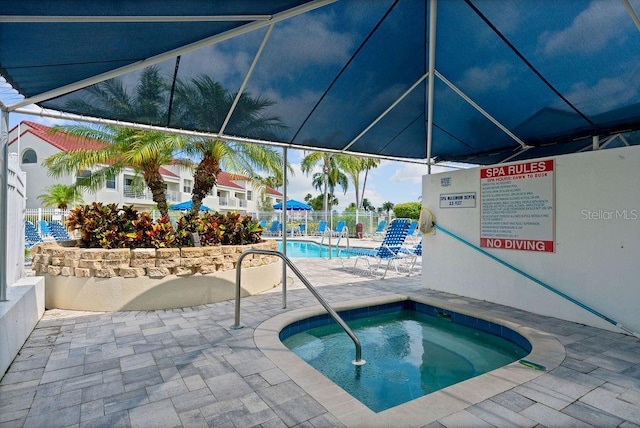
(597, 255)
(15, 220)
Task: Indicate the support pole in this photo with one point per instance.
(595, 142)
(433, 9)
(4, 173)
(284, 227)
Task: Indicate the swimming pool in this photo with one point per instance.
(307, 249)
(412, 349)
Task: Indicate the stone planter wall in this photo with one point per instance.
(55, 260)
(149, 279)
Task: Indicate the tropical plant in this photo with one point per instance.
(202, 103)
(108, 226)
(408, 210)
(61, 196)
(330, 177)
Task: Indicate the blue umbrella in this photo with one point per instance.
(186, 205)
(293, 205)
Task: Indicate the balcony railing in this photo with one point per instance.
(224, 201)
(131, 193)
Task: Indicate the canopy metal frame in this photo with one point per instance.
(253, 22)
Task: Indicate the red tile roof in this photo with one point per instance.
(224, 179)
(273, 192)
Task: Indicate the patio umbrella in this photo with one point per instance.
(186, 205)
(293, 205)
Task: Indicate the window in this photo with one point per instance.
(84, 174)
(29, 156)
(249, 195)
(187, 186)
(111, 182)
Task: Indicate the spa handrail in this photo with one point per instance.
(323, 302)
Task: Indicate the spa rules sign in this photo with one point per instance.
(517, 206)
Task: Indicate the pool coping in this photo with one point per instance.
(546, 350)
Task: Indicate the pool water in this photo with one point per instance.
(408, 355)
(305, 249)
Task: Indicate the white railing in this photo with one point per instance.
(16, 201)
(132, 193)
(242, 203)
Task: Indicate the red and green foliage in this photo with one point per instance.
(107, 226)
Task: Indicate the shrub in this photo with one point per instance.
(408, 210)
(107, 226)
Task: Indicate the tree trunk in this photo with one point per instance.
(204, 178)
(155, 182)
(364, 183)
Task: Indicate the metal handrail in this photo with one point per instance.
(358, 361)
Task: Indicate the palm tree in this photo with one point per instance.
(143, 151)
(353, 167)
(61, 196)
(330, 177)
(387, 206)
(367, 206)
(203, 103)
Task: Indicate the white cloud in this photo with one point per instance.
(612, 92)
(496, 76)
(594, 29)
(408, 173)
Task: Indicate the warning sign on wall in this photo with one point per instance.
(517, 206)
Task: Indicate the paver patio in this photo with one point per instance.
(187, 367)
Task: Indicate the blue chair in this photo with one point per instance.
(389, 249)
(413, 233)
(44, 228)
(322, 228)
(263, 224)
(412, 254)
(379, 232)
(302, 228)
(341, 228)
(274, 230)
(58, 231)
(31, 235)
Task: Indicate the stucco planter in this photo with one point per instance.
(147, 278)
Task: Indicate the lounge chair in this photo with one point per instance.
(379, 232)
(413, 233)
(412, 254)
(263, 224)
(31, 235)
(341, 229)
(44, 228)
(58, 231)
(274, 230)
(322, 228)
(388, 250)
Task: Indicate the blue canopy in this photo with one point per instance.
(511, 80)
(186, 205)
(293, 205)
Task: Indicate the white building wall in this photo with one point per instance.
(597, 226)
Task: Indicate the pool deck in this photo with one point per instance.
(187, 367)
